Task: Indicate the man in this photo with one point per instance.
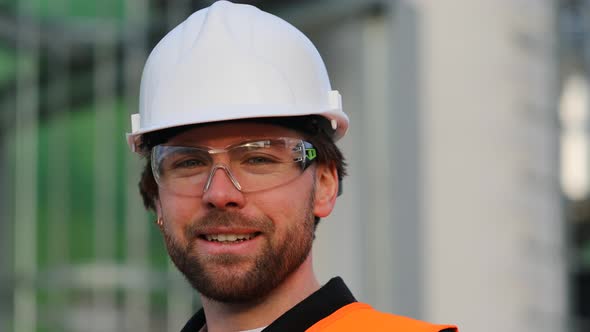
(238, 123)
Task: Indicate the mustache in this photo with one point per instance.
(220, 218)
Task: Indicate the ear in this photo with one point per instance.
(159, 215)
(326, 190)
(158, 207)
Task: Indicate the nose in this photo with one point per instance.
(221, 192)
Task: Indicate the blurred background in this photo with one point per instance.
(468, 196)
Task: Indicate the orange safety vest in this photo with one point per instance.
(359, 316)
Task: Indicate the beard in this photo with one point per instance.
(220, 278)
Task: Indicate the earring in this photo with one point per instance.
(159, 222)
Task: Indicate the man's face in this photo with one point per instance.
(275, 227)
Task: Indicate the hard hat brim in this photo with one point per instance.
(338, 119)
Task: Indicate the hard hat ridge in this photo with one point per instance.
(233, 61)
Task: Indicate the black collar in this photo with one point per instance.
(331, 297)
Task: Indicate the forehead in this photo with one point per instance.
(222, 134)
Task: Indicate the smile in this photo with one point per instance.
(229, 238)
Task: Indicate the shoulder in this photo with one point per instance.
(362, 317)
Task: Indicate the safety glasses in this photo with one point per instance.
(251, 165)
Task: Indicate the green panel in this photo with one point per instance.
(81, 135)
(8, 58)
(76, 132)
(114, 9)
(79, 128)
(42, 193)
(7, 65)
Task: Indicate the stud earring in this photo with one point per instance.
(159, 222)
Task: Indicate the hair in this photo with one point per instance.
(314, 128)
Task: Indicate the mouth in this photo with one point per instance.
(229, 238)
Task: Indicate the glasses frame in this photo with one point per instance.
(308, 155)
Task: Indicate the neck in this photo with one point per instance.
(262, 312)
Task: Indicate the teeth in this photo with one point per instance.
(228, 237)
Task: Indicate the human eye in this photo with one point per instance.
(189, 160)
(189, 163)
(260, 159)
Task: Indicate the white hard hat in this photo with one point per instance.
(233, 61)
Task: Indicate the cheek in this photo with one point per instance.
(178, 211)
(287, 205)
(174, 204)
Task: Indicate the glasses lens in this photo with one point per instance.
(180, 168)
(256, 165)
